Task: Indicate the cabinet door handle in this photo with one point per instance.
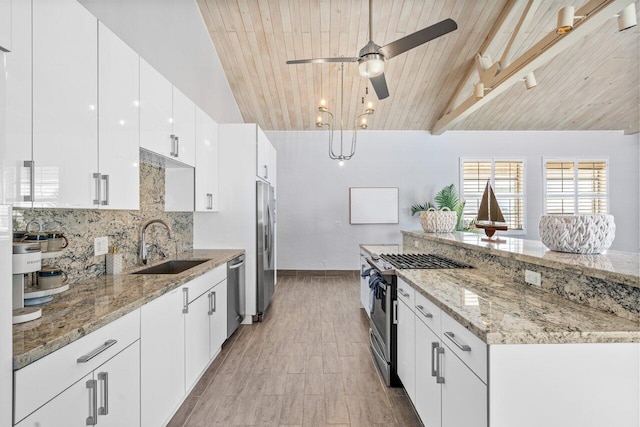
(93, 353)
(32, 180)
(98, 198)
(104, 409)
(215, 302)
(177, 146)
(403, 293)
(105, 178)
(92, 419)
(461, 346)
(185, 300)
(434, 370)
(439, 378)
(209, 201)
(266, 171)
(173, 145)
(424, 312)
(395, 312)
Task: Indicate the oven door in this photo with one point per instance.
(380, 332)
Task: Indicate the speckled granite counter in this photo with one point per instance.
(500, 311)
(93, 303)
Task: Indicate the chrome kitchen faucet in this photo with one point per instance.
(143, 243)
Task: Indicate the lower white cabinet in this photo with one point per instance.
(406, 342)
(427, 398)
(218, 318)
(162, 358)
(112, 391)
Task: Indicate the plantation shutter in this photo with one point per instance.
(576, 187)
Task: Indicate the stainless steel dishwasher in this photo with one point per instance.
(235, 293)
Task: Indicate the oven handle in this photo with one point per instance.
(373, 347)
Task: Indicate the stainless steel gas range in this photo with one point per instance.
(383, 308)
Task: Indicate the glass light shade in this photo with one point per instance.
(371, 66)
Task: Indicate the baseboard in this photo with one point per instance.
(319, 273)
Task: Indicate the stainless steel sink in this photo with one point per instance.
(172, 267)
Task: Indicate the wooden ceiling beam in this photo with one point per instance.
(595, 12)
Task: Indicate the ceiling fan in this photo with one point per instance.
(372, 57)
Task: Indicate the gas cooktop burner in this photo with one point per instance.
(421, 261)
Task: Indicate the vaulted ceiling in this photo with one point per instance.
(593, 85)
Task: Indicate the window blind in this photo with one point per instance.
(576, 187)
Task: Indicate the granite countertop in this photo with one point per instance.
(502, 312)
(615, 266)
(93, 303)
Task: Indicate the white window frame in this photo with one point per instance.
(575, 161)
(493, 160)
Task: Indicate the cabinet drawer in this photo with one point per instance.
(41, 381)
(428, 313)
(202, 284)
(469, 348)
(406, 293)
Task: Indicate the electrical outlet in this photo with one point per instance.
(100, 245)
(533, 278)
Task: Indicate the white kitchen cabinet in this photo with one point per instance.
(5, 25)
(118, 118)
(406, 355)
(162, 358)
(427, 397)
(206, 185)
(266, 158)
(156, 111)
(196, 321)
(18, 154)
(65, 129)
(184, 128)
(69, 408)
(218, 318)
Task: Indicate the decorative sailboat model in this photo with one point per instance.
(490, 217)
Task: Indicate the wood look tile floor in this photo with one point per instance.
(307, 364)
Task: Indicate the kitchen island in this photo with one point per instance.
(481, 347)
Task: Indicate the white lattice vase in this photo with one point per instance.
(580, 234)
(442, 221)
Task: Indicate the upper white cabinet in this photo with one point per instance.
(5, 25)
(167, 117)
(207, 195)
(65, 98)
(18, 179)
(156, 111)
(184, 128)
(118, 117)
(266, 158)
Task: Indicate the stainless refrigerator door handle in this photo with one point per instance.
(210, 296)
(92, 419)
(104, 409)
(238, 265)
(461, 346)
(424, 312)
(98, 198)
(185, 300)
(32, 177)
(434, 371)
(439, 378)
(105, 178)
(85, 358)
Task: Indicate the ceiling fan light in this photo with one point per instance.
(371, 65)
(627, 18)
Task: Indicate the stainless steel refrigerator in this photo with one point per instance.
(265, 247)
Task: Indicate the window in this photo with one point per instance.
(507, 180)
(576, 186)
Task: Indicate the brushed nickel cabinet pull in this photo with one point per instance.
(92, 419)
(461, 346)
(85, 358)
(104, 377)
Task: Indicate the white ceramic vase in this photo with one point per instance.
(580, 234)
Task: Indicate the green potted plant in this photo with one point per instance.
(445, 199)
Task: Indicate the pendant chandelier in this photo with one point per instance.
(359, 123)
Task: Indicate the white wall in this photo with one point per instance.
(171, 36)
(313, 212)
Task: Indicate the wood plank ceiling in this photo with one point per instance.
(595, 85)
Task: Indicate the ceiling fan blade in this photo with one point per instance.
(379, 84)
(321, 60)
(406, 43)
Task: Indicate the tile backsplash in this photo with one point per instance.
(81, 226)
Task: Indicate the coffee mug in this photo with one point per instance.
(39, 237)
(57, 241)
(51, 277)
